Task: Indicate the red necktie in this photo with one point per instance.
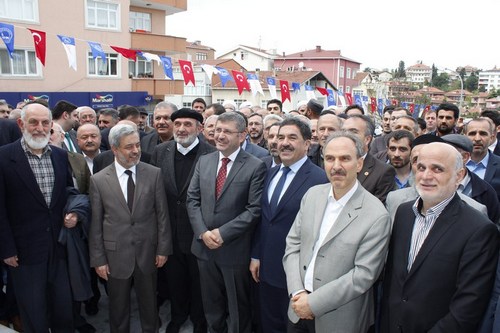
(221, 177)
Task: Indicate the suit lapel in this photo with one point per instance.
(319, 210)
(490, 168)
(368, 165)
(441, 226)
(60, 181)
(23, 168)
(114, 185)
(298, 180)
(170, 165)
(201, 151)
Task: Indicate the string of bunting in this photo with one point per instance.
(249, 82)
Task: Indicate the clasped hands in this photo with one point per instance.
(300, 305)
(212, 239)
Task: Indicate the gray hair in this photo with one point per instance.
(166, 105)
(360, 149)
(233, 117)
(271, 117)
(27, 106)
(109, 112)
(119, 131)
(459, 162)
(212, 116)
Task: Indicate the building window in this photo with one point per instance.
(103, 15)
(22, 10)
(243, 55)
(108, 68)
(201, 56)
(139, 21)
(23, 63)
(186, 105)
(348, 74)
(341, 72)
(140, 68)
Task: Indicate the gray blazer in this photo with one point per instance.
(236, 211)
(348, 263)
(123, 239)
(396, 198)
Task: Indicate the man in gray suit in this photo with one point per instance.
(130, 231)
(336, 247)
(223, 203)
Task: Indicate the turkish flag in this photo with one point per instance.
(373, 102)
(427, 108)
(40, 44)
(127, 53)
(348, 97)
(285, 91)
(241, 81)
(187, 71)
(411, 108)
(322, 91)
(394, 102)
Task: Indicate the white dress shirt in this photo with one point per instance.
(294, 168)
(232, 157)
(123, 177)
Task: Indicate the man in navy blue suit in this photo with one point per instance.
(33, 181)
(284, 188)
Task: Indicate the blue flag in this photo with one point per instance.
(330, 98)
(167, 66)
(251, 76)
(380, 106)
(7, 34)
(224, 75)
(97, 51)
(416, 111)
(271, 81)
(357, 100)
(295, 86)
(308, 88)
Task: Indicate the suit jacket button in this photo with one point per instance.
(405, 299)
(305, 268)
(178, 202)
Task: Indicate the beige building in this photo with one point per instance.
(131, 24)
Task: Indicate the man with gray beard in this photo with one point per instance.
(33, 181)
(177, 159)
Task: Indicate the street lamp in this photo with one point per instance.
(461, 87)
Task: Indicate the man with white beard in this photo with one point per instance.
(33, 181)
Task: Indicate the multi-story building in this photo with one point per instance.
(339, 70)
(252, 58)
(419, 73)
(490, 79)
(130, 24)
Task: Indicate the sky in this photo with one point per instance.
(379, 34)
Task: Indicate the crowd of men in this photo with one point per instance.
(249, 219)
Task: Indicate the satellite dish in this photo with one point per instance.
(301, 65)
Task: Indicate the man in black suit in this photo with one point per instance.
(162, 124)
(375, 176)
(33, 181)
(277, 217)
(223, 203)
(177, 160)
(442, 255)
(9, 131)
(64, 113)
(482, 162)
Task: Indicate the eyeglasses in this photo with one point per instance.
(226, 132)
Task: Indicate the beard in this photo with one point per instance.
(36, 142)
(187, 141)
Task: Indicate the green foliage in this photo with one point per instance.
(471, 82)
(441, 81)
(400, 72)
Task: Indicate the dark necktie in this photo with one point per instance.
(221, 177)
(130, 190)
(278, 189)
(70, 143)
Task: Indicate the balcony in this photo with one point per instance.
(158, 87)
(161, 43)
(169, 6)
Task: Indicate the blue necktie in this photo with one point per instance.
(278, 189)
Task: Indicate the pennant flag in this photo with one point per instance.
(434, 107)
(394, 102)
(241, 81)
(150, 56)
(167, 66)
(40, 44)
(187, 71)
(97, 51)
(309, 92)
(127, 53)
(426, 109)
(322, 91)
(271, 84)
(404, 104)
(348, 97)
(70, 48)
(330, 98)
(295, 87)
(416, 111)
(7, 34)
(388, 102)
(373, 103)
(357, 100)
(209, 70)
(341, 98)
(285, 91)
(380, 108)
(254, 82)
(411, 108)
(224, 75)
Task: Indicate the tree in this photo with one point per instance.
(471, 82)
(462, 73)
(441, 81)
(434, 74)
(367, 70)
(400, 72)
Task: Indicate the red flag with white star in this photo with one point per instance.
(40, 44)
(373, 103)
(348, 97)
(285, 91)
(187, 71)
(241, 81)
(322, 91)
